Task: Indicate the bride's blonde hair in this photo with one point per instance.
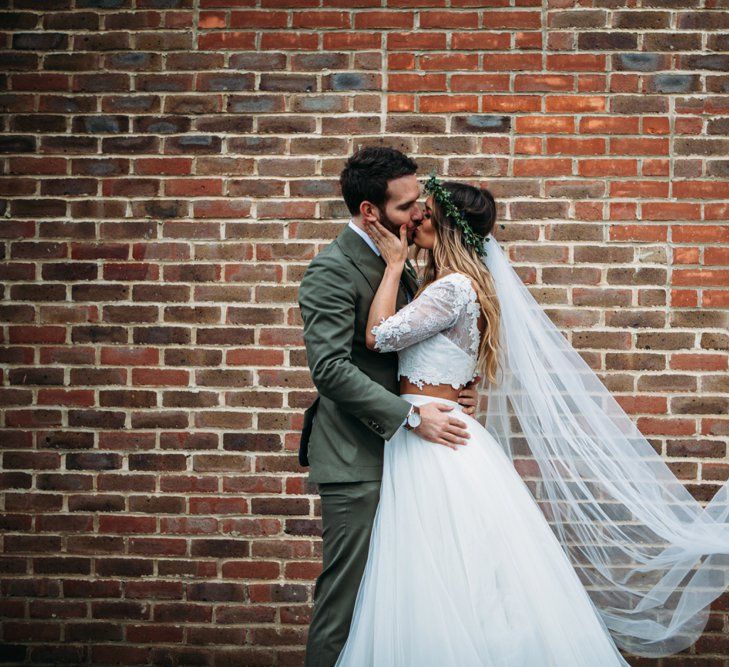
(451, 253)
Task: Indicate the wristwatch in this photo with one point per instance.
(412, 421)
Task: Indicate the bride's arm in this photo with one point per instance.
(436, 308)
(394, 251)
(383, 305)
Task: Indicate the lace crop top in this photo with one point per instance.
(436, 335)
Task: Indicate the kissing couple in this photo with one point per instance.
(435, 551)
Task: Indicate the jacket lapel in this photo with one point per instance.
(411, 277)
(370, 265)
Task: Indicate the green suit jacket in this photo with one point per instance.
(358, 406)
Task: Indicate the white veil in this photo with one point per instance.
(652, 559)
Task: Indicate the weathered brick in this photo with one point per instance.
(170, 172)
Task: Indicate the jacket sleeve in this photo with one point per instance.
(327, 301)
(435, 309)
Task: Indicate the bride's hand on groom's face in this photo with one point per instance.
(394, 249)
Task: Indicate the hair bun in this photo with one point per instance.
(491, 202)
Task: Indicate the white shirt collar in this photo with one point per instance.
(365, 236)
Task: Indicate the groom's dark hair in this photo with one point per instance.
(366, 173)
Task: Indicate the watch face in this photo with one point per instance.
(414, 419)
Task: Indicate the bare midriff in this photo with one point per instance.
(436, 390)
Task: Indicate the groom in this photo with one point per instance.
(358, 406)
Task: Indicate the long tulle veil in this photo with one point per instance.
(652, 559)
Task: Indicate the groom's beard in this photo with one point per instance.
(394, 227)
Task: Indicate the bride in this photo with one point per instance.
(468, 565)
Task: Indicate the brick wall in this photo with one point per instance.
(169, 167)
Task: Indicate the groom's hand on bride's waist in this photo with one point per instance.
(468, 397)
(438, 425)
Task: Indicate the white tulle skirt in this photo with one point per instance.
(463, 569)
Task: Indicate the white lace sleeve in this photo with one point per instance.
(435, 309)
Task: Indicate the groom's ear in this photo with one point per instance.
(369, 211)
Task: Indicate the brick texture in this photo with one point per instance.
(169, 167)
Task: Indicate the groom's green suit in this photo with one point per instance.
(344, 430)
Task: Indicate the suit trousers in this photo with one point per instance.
(347, 513)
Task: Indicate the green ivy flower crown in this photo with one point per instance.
(435, 187)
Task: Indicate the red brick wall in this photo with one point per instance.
(170, 167)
